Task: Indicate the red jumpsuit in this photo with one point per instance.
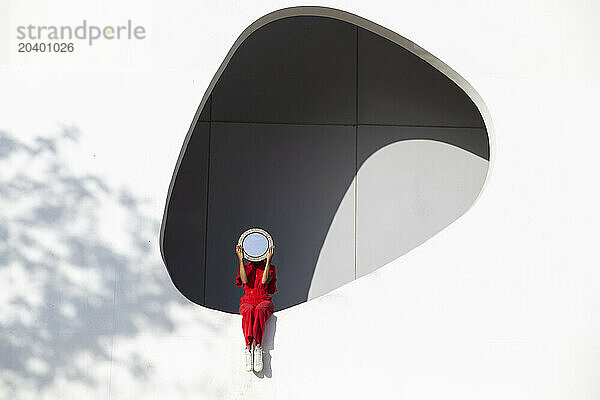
(256, 306)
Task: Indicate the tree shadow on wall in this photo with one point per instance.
(73, 249)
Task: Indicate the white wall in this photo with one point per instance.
(501, 304)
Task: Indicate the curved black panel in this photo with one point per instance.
(276, 146)
(293, 70)
(184, 237)
(396, 87)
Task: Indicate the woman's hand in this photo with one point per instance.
(270, 252)
(266, 277)
(239, 251)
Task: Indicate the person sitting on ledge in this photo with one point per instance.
(256, 306)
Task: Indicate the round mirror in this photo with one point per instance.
(255, 242)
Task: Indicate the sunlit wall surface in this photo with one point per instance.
(500, 304)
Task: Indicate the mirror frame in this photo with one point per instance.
(255, 230)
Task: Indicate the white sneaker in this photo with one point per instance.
(248, 354)
(258, 361)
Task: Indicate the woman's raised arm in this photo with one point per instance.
(240, 253)
(266, 277)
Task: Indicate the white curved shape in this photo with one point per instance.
(407, 192)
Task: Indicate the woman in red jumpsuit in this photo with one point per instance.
(256, 306)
